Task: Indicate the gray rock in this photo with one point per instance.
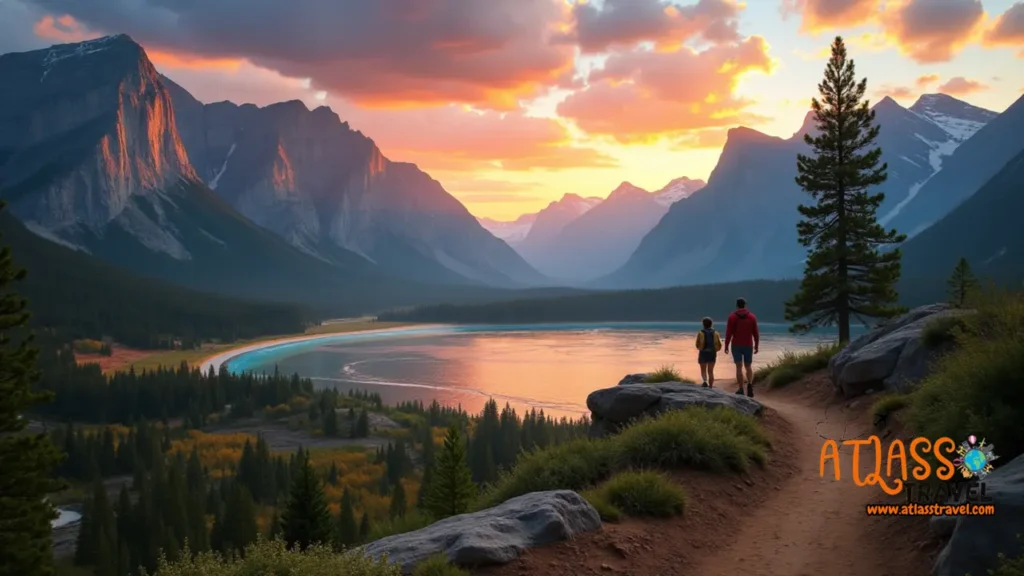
(633, 379)
(495, 535)
(890, 356)
(611, 408)
(942, 526)
(978, 540)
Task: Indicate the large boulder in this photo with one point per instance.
(495, 535)
(611, 408)
(891, 356)
(978, 540)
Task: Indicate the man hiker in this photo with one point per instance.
(741, 332)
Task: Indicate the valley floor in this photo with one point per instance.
(780, 521)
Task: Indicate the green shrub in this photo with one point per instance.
(272, 557)
(716, 439)
(792, 366)
(599, 500)
(574, 465)
(413, 520)
(666, 373)
(978, 387)
(437, 565)
(940, 331)
(887, 405)
(719, 439)
(644, 493)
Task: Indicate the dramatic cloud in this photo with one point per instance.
(669, 25)
(961, 86)
(930, 31)
(926, 80)
(640, 94)
(1008, 29)
(380, 53)
(820, 15)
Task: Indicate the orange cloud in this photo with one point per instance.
(624, 23)
(926, 80)
(928, 31)
(1008, 28)
(192, 61)
(710, 138)
(898, 92)
(960, 86)
(640, 95)
(820, 15)
(63, 29)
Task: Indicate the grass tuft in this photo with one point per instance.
(643, 493)
(943, 330)
(666, 373)
(438, 565)
(598, 498)
(413, 520)
(888, 405)
(792, 366)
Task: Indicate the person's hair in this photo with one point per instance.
(707, 322)
(741, 302)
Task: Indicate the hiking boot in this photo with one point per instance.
(704, 385)
(740, 391)
(750, 390)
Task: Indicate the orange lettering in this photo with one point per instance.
(897, 485)
(825, 456)
(946, 464)
(920, 472)
(871, 478)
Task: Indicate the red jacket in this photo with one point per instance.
(741, 329)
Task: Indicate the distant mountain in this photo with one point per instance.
(329, 191)
(512, 232)
(958, 118)
(972, 164)
(549, 222)
(678, 189)
(601, 239)
(742, 224)
(984, 229)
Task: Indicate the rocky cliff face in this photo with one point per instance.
(325, 188)
(88, 139)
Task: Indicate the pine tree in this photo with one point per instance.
(398, 505)
(846, 273)
(451, 488)
(330, 423)
(348, 530)
(362, 424)
(26, 460)
(306, 519)
(364, 527)
(237, 528)
(332, 474)
(961, 283)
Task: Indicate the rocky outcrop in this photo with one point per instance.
(978, 540)
(495, 535)
(611, 408)
(891, 356)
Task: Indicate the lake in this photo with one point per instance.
(550, 367)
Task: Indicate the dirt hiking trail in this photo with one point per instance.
(783, 520)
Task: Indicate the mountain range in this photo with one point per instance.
(105, 156)
(742, 225)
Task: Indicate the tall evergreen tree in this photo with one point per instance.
(961, 283)
(238, 526)
(846, 273)
(364, 527)
(330, 423)
(451, 488)
(306, 519)
(348, 530)
(362, 428)
(398, 505)
(27, 461)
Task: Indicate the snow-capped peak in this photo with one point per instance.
(64, 51)
(678, 189)
(956, 117)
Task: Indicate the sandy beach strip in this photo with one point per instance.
(215, 361)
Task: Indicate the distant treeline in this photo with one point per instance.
(766, 298)
(84, 297)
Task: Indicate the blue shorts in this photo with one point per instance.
(744, 354)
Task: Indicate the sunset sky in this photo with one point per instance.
(512, 103)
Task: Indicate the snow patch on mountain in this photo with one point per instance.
(65, 51)
(677, 190)
(223, 167)
(511, 232)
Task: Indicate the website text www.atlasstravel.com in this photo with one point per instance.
(930, 510)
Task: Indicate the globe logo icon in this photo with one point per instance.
(975, 461)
